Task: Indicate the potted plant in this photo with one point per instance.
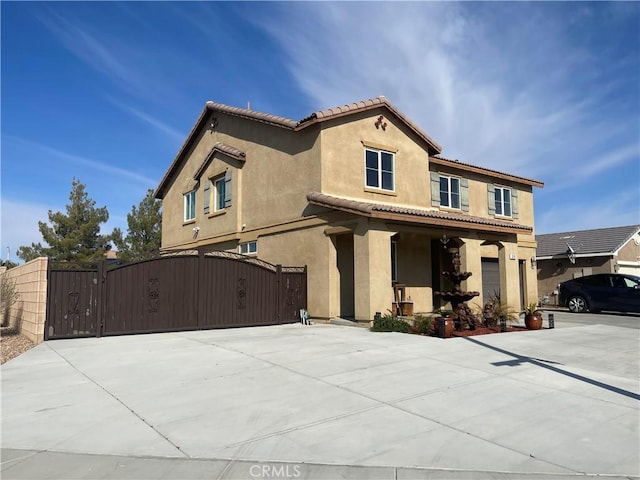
(532, 316)
(444, 323)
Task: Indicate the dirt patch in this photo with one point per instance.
(12, 344)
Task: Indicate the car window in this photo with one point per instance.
(595, 280)
(628, 282)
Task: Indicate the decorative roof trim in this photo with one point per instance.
(484, 171)
(414, 215)
(222, 148)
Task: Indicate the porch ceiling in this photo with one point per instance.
(415, 215)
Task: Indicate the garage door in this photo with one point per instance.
(630, 268)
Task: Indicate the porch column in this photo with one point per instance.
(471, 261)
(509, 275)
(372, 271)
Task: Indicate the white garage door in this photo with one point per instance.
(630, 268)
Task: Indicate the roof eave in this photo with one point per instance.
(160, 191)
(486, 171)
(371, 212)
(434, 147)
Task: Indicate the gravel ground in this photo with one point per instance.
(12, 344)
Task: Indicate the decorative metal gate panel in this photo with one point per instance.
(72, 304)
(185, 291)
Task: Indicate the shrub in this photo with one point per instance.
(389, 323)
(8, 296)
(423, 325)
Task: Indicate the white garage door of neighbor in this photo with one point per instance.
(630, 268)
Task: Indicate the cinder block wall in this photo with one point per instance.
(31, 308)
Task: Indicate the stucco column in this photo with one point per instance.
(372, 271)
(509, 275)
(526, 253)
(471, 261)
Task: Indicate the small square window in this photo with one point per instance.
(248, 248)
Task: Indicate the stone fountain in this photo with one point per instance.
(464, 317)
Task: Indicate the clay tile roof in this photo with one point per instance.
(322, 115)
(414, 215)
(600, 241)
(262, 117)
(229, 150)
(494, 173)
(219, 147)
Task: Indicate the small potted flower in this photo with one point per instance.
(532, 316)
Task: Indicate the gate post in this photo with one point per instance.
(278, 293)
(101, 296)
(48, 314)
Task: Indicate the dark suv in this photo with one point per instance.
(604, 291)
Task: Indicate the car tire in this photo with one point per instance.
(577, 304)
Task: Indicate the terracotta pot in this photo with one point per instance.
(447, 331)
(533, 321)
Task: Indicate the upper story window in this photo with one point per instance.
(503, 201)
(379, 169)
(217, 192)
(190, 206)
(248, 248)
(449, 192)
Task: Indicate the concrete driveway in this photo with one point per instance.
(325, 401)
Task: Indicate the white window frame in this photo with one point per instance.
(189, 206)
(379, 170)
(499, 195)
(449, 192)
(217, 205)
(248, 248)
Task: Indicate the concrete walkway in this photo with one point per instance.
(325, 401)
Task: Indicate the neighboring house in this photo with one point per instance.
(566, 255)
(357, 193)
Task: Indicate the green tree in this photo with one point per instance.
(143, 232)
(74, 236)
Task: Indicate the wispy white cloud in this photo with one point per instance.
(81, 160)
(599, 163)
(567, 214)
(500, 85)
(150, 120)
(104, 57)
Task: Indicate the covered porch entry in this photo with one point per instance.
(379, 245)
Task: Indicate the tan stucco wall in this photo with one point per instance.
(29, 312)
(415, 269)
(343, 160)
(269, 187)
(630, 252)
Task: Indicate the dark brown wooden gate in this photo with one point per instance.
(186, 291)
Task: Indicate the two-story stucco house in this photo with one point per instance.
(359, 195)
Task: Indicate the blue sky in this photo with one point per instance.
(107, 92)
